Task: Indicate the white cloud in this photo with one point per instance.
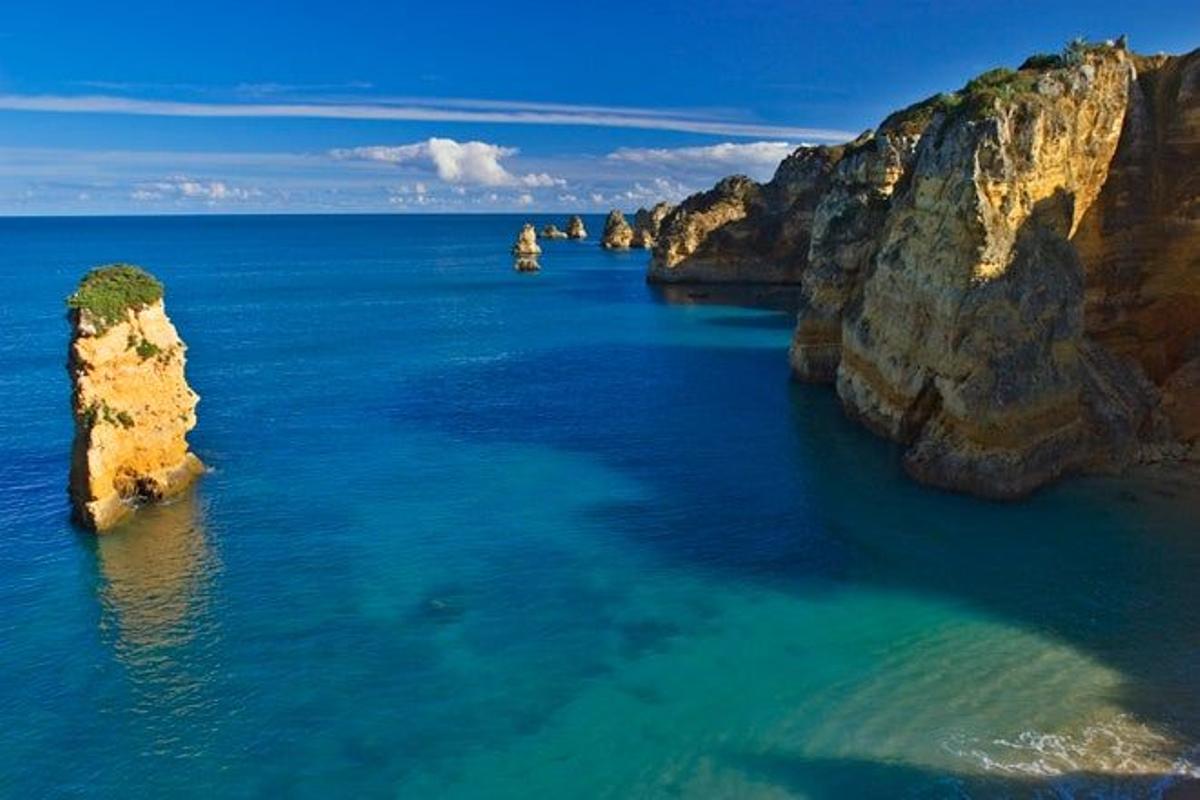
(431, 110)
(726, 155)
(180, 187)
(541, 180)
(472, 163)
(525, 199)
(641, 194)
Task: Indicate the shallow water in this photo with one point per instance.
(470, 533)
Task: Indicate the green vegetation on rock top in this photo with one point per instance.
(108, 293)
(981, 94)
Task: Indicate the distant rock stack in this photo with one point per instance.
(551, 231)
(527, 250)
(646, 225)
(617, 233)
(575, 229)
(132, 405)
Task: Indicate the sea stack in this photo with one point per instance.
(132, 405)
(646, 224)
(617, 233)
(575, 229)
(527, 250)
(551, 231)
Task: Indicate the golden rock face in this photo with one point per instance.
(133, 409)
(741, 231)
(1006, 279)
(968, 340)
(618, 235)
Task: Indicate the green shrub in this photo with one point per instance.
(1043, 62)
(108, 293)
(147, 349)
(1003, 85)
(100, 411)
(913, 119)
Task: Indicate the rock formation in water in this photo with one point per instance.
(551, 231)
(132, 405)
(575, 229)
(1004, 279)
(1032, 305)
(646, 225)
(741, 231)
(526, 250)
(617, 233)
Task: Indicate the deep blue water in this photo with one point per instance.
(476, 534)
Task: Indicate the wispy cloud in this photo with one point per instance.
(476, 163)
(499, 112)
(726, 155)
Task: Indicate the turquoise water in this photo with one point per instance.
(474, 534)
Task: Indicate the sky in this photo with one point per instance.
(314, 106)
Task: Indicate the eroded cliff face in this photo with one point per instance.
(132, 407)
(1140, 242)
(968, 343)
(647, 223)
(741, 231)
(847, 230)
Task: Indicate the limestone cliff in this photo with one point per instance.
(132, 405)
(1023, 304)
(647, 223)
(1140, 242)
(617, 233)
(847, 229)
(526, 250)
(741, 231)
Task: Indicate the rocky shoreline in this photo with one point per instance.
(1004, 279)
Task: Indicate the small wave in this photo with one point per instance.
(1119, 748)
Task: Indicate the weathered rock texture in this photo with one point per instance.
(847, 229)
(741, 231)
(617, 233)
(551, 231)
(575, 229)
(132, 405)
(647, 223)
(1012, 288)
(526, 250)
(1140, 242)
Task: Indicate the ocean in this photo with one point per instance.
(470, 533)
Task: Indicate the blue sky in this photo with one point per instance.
(233, 107)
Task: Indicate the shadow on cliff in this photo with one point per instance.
(752, 479)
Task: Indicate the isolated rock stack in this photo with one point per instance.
(132, 405)
(617, 233)
(526, 250)
(575, 229)
(551, 231)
